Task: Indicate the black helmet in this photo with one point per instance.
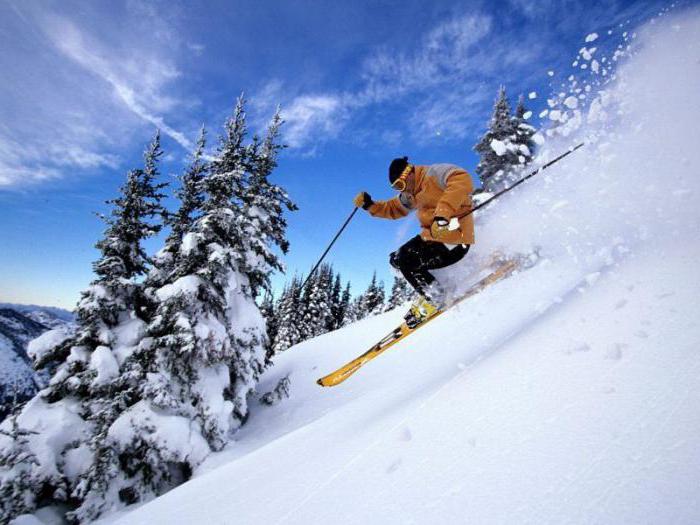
(396, 168)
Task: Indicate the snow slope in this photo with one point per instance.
(566, 394)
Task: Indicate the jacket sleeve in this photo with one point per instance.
(457, 194)
(391, 209)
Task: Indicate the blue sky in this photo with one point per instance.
(85, 84)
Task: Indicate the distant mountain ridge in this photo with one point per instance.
(19, 324)
(33, 311)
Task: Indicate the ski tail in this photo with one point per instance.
(340, 375)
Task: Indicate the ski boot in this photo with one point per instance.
(421, 310)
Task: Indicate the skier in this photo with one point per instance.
(438, 193)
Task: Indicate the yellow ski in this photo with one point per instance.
(335, 378)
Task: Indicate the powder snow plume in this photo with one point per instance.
(638, 176)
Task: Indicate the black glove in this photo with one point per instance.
(363, 200)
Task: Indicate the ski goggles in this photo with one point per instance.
(400, 183)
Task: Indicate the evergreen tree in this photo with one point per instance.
(263, 207)
(190, 195)
(316, 303)
(356, 310)
(520, 110)
(153, 382)
(498, 149)
(344, 313)
(269, 313)
(372, 300)
(336, 320)
(206, 345)
(118, 372)
(159, 372)
(325, 291)
(16, 496)
(524, 134)
(90, 386)
(380, 298)
(208, 323)
(289, 313)
(401, 292)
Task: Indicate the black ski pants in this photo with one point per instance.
(415, 258)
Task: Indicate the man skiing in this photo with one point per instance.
(439, 193)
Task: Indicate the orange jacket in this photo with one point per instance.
(441, 190)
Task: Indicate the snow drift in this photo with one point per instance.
(567, 393)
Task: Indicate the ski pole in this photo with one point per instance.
(543, 167)
(347, 221)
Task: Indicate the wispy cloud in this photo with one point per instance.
(310, 115)
(196, 48)
(446, 52)
(75, 94)
(137, 83)
(440, 78)
(309, 118)
(434, 85)
(27, 163)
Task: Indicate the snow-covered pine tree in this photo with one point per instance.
(372, 300)
(190, 196)
(344, 309)
(498, 149)
(72, 460)
(15, 487)
(289, 314)
(380, 295)
(327, 284)
(263, 206)
(277, 308)
(316, 303)
(336, 320)
(269, 313)
(524, 134)
(356, 310)
(205, 347)
(401, 292)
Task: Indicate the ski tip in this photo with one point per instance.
(330, 380)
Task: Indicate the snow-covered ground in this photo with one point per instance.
(565, 394)
(584, 413)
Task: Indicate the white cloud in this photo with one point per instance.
(12, 175)
(75, 90)
(308, 116)
(308, 119)
(75, 155)
(138, 83)
(447, 115)
(392, 137)
(196, 48)
(445, 54)
(437, 69)
(534, 8)
(28, 163)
